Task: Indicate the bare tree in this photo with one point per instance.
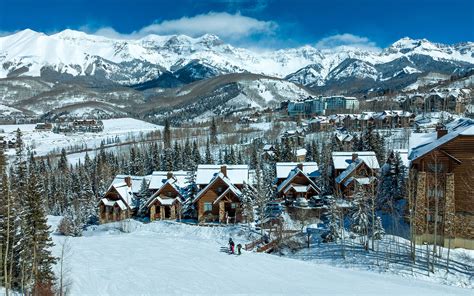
(64, 273)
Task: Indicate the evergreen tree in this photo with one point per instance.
(213, 132)
(167, 134)
(196, 155)
(208, 156)
(37, 236)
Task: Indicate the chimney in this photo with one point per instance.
(354, 156)
(128, 181)
(300, 166)
(169, 175)
(441, 130)
(224, 170)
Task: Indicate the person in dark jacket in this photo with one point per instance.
(231, 245)
(239, 247)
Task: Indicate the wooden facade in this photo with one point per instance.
(297, 185)
(361, 177)
(444, 178)
(165, 203)
(219, 202)
(113, 207)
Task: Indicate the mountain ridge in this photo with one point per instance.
(135, 61)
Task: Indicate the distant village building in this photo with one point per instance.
(79, 125)
(443, 171)
(338, 103)
(354, 169)
(44, 126)
(321, 105)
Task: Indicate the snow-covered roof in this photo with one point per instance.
(158, 178)
(350, 168)
(268, 147)
(463, 126)
(295, 171)
(361, 181)
(342, 160)
(136, 181)
(300, 188)
(214, 179)
(301, 152)
(108, 202)
(283, 169)
(125, 193)
(237, 174)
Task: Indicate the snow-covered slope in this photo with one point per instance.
(136, 61)
(166, 258)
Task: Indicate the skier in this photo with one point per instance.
(239, 246)
(231, 244)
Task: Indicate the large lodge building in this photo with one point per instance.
(443, 170)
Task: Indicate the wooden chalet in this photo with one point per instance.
(166, 202)
(118, 202)
(295, 180)
(219, 199)
(353, 171)
(443, 173)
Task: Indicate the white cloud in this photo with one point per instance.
(223, 24)
(347, 39)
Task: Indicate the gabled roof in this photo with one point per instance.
(125, 194)
(158, 178)
(136, 181)
(341, 160)
(283, 169)
(293, 173)
(361, 181)
(229, 189)
(350, 169)
(156, 195)
(460, 127)
(219, 176)
(237, 174)
(300, 188)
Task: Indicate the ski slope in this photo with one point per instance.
(165, 258)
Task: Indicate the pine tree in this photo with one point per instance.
(334, 222)
(213, 132)
(248, 202)
(167, 134)
(379, 231)
(208, 156)
(196, 155)
(360, 220)
(38, 240)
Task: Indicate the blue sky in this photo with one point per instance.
(261, 23)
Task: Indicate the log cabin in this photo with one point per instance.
(220, 200)
(166, 202)
(299, 181)
(118, 202)
(354, 170)
(443, 174)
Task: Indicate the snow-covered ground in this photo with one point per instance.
(164, 258)
(44, 142)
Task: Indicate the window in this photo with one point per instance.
(233, 205)
(207, 207)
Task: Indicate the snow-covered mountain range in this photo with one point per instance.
(178, 59)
